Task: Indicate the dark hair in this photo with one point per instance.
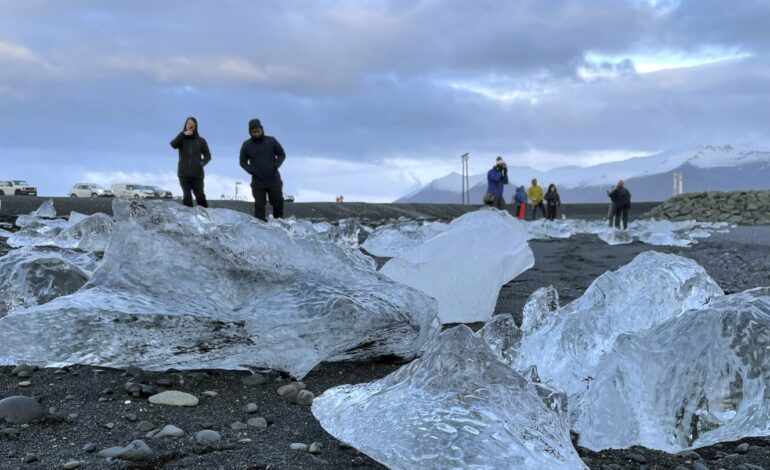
(551, 186)
(190, 118)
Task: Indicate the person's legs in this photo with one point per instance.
(542, 208)
(186, 185)
(611, 213)
(618, 212)
(275, 196)
(625, 217)
(500, 203)
(260, 199)
(197, 189)
(552, 209)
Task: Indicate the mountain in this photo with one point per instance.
(650, 178)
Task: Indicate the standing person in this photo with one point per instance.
(611, 211)
(194, 154)
(497, 178)
(535, 194)
(261, 157)
(520, 199)
(552, 201)
(621, 198)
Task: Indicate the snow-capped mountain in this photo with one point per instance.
(649, 178)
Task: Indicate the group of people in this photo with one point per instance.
(548, 202)
(261, 156)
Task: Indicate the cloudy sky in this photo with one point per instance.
(372, 98)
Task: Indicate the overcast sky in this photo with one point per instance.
(371, 98)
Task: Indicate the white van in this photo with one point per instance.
(136, 191)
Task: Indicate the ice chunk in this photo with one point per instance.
(177, 290)
(651, 289)
(87, 233)
(76, 217)
(31, 276)
(539, 308)
(46, 210)
(694, 380)
(457, 406)
(503, 337)
(347, 232)
(465, 266)
(394, 239)
(5, 233)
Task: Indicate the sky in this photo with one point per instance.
(372, 99)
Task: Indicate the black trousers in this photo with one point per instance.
(192, 185)
(624, 212)
(262, 193)
(499, 203)
(534, 210)
(551, 212)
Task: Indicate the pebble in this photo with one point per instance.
(690, 454)
(133, 371)
(164, 382)
(287, 391)
(699, 466)
(174, 398)
(742, 448)
(168, 430)
(131, 417)
(25, 383)
(238, 426)
(207, 437)
(315, 448)
(298, 446)
(21, 410)
(210, 393)
(59, 372)
(145, 426)
(357, 461)
(299, 385)
(259, 423)
(254, 379)
(109, 425)
(71, 464)
(135, 451)
(304, 397)
(681, 467)
(10, 431)
(638, 458)
(29, 458)
(24, 374)
(250, 408)
(90, 447)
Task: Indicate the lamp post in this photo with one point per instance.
(237, 184)
(466, 196)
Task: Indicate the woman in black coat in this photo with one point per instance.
(552, 201)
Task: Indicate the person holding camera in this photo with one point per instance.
(261, 157)
(194, 154)
(497, 178)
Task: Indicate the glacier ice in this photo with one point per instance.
(175, 289)
(5, 233)
(651, 289)
(457, 406)
(46, 210)
(697, 379)
(464, 266)
(539, 308)
(503, 337)
(394, 239)
(87, 233)
(30, 276)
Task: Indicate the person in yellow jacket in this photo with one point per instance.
(535, 194)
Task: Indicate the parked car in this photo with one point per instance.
(17, 188)
(89, 190)
(161, 193)
(137, 191)
(288, 198)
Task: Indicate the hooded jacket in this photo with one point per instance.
(535, 193)
(521, 195)
(262, 157)
(552, 197)
(194, 153)
(621, 197)
(497, 177)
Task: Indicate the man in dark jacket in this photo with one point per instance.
(194, 154)
(621, 200)
(497, 177)
(261, 157)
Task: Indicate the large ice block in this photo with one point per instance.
(651, 289)
(177, 290)
(464, 266)
(457, 406)
(694, 380)
(394, 239)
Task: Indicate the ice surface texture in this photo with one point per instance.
(464, 266)
(651, 289)
(176, 289)
(457, 406)
(694, 380)
(394, 239)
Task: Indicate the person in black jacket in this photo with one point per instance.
(621, 200)
(194, 154)
(261, 157)
(552, 200)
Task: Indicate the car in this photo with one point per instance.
(89, 190)
(288, 198)
(17, 188)
(161, 193)
(136, 191)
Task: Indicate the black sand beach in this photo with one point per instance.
(93, 407)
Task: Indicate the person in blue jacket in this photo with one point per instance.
(520, 201)
(497, 178)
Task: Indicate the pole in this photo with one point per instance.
(465, 182)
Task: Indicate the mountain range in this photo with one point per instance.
(649, 178)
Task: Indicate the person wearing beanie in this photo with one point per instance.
(194, 154)
(261, 157)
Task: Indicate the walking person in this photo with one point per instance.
(552, 201)
(520, 201)
(194, 154)
(497, 178)
(621, 198)
(535, 194)
(261, 157)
